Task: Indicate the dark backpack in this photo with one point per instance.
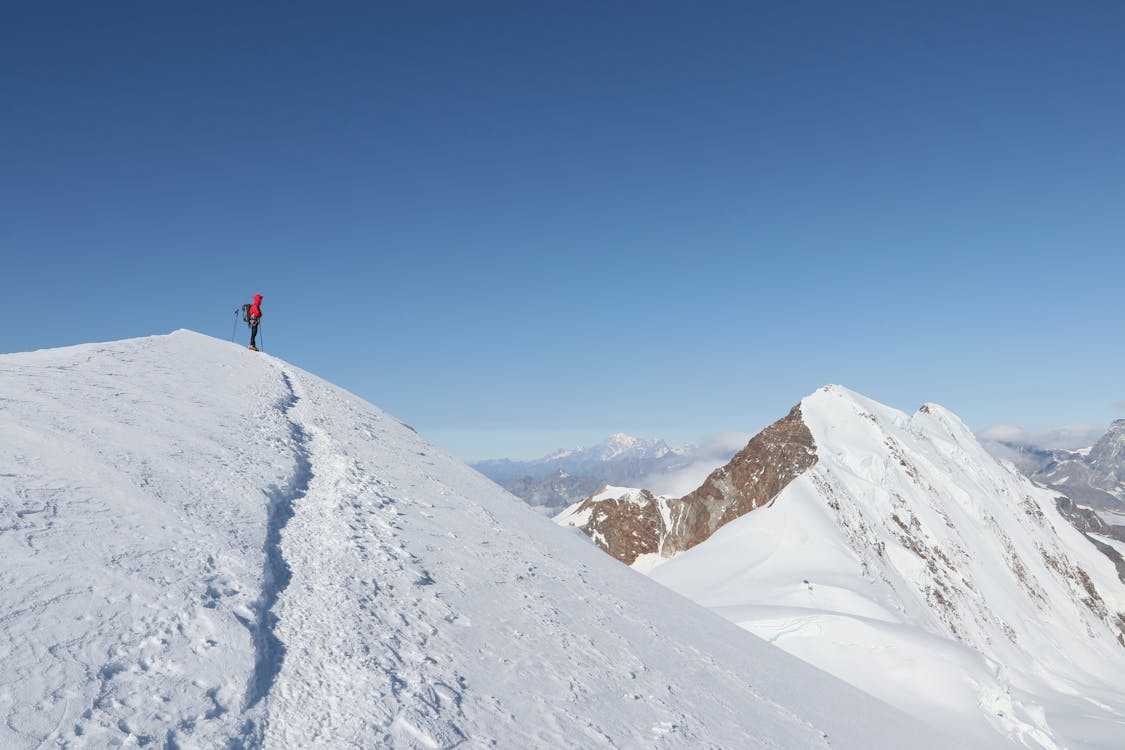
(246, 313)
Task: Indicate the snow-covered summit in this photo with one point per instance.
(908, 538)
(893, 551)
(207, 547)
(1107, 459)
(616, 447)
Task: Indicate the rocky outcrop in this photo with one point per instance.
(625, 522)
(1089, 522)
(628, 523)
(754, 477)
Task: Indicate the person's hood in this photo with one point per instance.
(257, 299)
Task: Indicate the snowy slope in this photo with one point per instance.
(908, 562)
(203, 547)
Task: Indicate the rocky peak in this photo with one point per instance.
(630, 523)
(1096, 477)
(1111, 445)
(754, 477)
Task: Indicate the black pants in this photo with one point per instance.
(253, 331)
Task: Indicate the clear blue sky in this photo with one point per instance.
(519, 225)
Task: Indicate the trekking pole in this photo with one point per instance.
(261, 335)
(235, 329)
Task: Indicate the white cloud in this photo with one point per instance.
(1067, 437)
(711, 452)
(722, 444)
(1003, 433)
(1119, 404)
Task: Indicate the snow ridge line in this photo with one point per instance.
(269, 651)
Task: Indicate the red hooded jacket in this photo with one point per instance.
(256, 308)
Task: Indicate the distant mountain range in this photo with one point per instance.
(618, 449)
(555, 481)
(1094, 475)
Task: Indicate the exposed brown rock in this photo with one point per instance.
(622, 527)
(770, 461)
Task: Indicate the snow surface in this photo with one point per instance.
(911, 564)
(626, 494)
(1113, 519)
(204, 547)
(616, 446)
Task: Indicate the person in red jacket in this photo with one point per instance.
(255, 318)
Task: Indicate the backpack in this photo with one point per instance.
(246, 313)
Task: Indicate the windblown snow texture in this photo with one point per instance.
(205, 547)
(910, 563)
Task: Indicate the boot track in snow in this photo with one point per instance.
(269, 651)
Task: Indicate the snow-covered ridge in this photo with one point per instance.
(206, 547)
(629, 494)
(907, 543)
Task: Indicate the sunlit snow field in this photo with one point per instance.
(205, 547)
